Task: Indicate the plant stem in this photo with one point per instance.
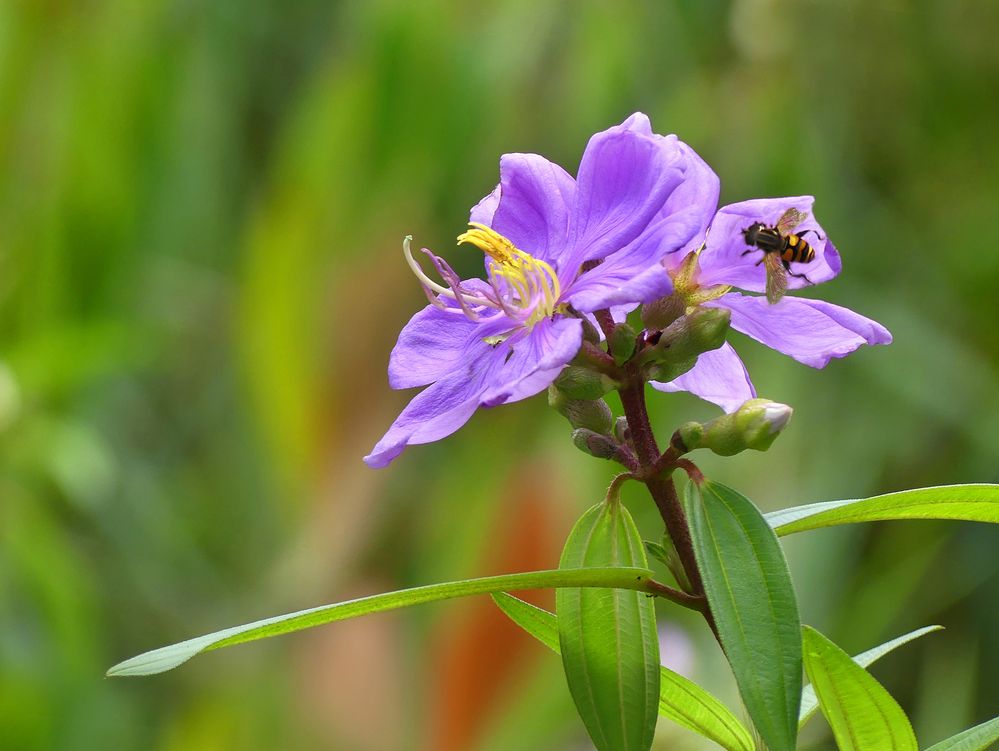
(661, 486)
(689, 601)
(652, 471)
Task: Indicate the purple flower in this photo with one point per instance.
(485, 342)
(811, 331)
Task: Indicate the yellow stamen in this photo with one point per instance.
(533, 282)
(490, 242)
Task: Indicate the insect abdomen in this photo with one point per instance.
(797, 250)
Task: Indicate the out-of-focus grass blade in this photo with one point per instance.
(863, 716)
(810, 705)
(749, 589)
(166, 658)
(680, 699)
(977, 738)
(608, 637)
(975, 503)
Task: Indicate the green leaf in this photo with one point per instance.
(680, 699)
(166, 658)
(749, 589)
(862, 714)
(977, 738)
(608, 637)
(975, 503)
(810, 705)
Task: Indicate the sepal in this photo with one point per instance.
(755, 425)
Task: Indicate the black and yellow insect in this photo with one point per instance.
(781, 247)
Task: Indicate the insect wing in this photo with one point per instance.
(789, 220)
(776, 277)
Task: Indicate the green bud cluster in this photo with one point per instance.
(579, 382)
(755, 425)
(594, 444)
(590, 414)
(576, 395)
(676, 349)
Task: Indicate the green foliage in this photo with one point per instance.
(607, 637)
(167, 658)
(977, 738)
(861, 713)
(810, 704)
(680, 699)
(752, 599)
(975, 503)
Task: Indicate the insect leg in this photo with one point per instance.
(802, 234)
(800, 276)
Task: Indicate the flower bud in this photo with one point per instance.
(677, 347)
(622, 343)
(594, 444)
(691, 434)
(661, 313)
(578, 382)
(621, 430)
(593, 414)
(754, 425)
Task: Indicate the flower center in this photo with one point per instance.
(687, 286)
(524, 288)
(524, 285)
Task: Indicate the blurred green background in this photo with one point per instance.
(201, 209)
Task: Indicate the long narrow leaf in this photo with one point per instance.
(810, 704)
(976, 503)
(749, 589)
(977, 738)
(166, 658)
(863, 716)
(608, 637)
(680, 699)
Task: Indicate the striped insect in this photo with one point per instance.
(781, 247)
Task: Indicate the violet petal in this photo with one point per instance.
(723, 262)
(439, 410)
(624, 180)
(811, 331)
(630, 276)
(718, 377)
(534, 204)
(536, 358)
(436, 342)
(484, 210)
(694, 201)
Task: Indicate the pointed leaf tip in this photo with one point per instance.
(167, 658)
(977, 738)
(975, 502)
(810, 704)
(861, 713)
